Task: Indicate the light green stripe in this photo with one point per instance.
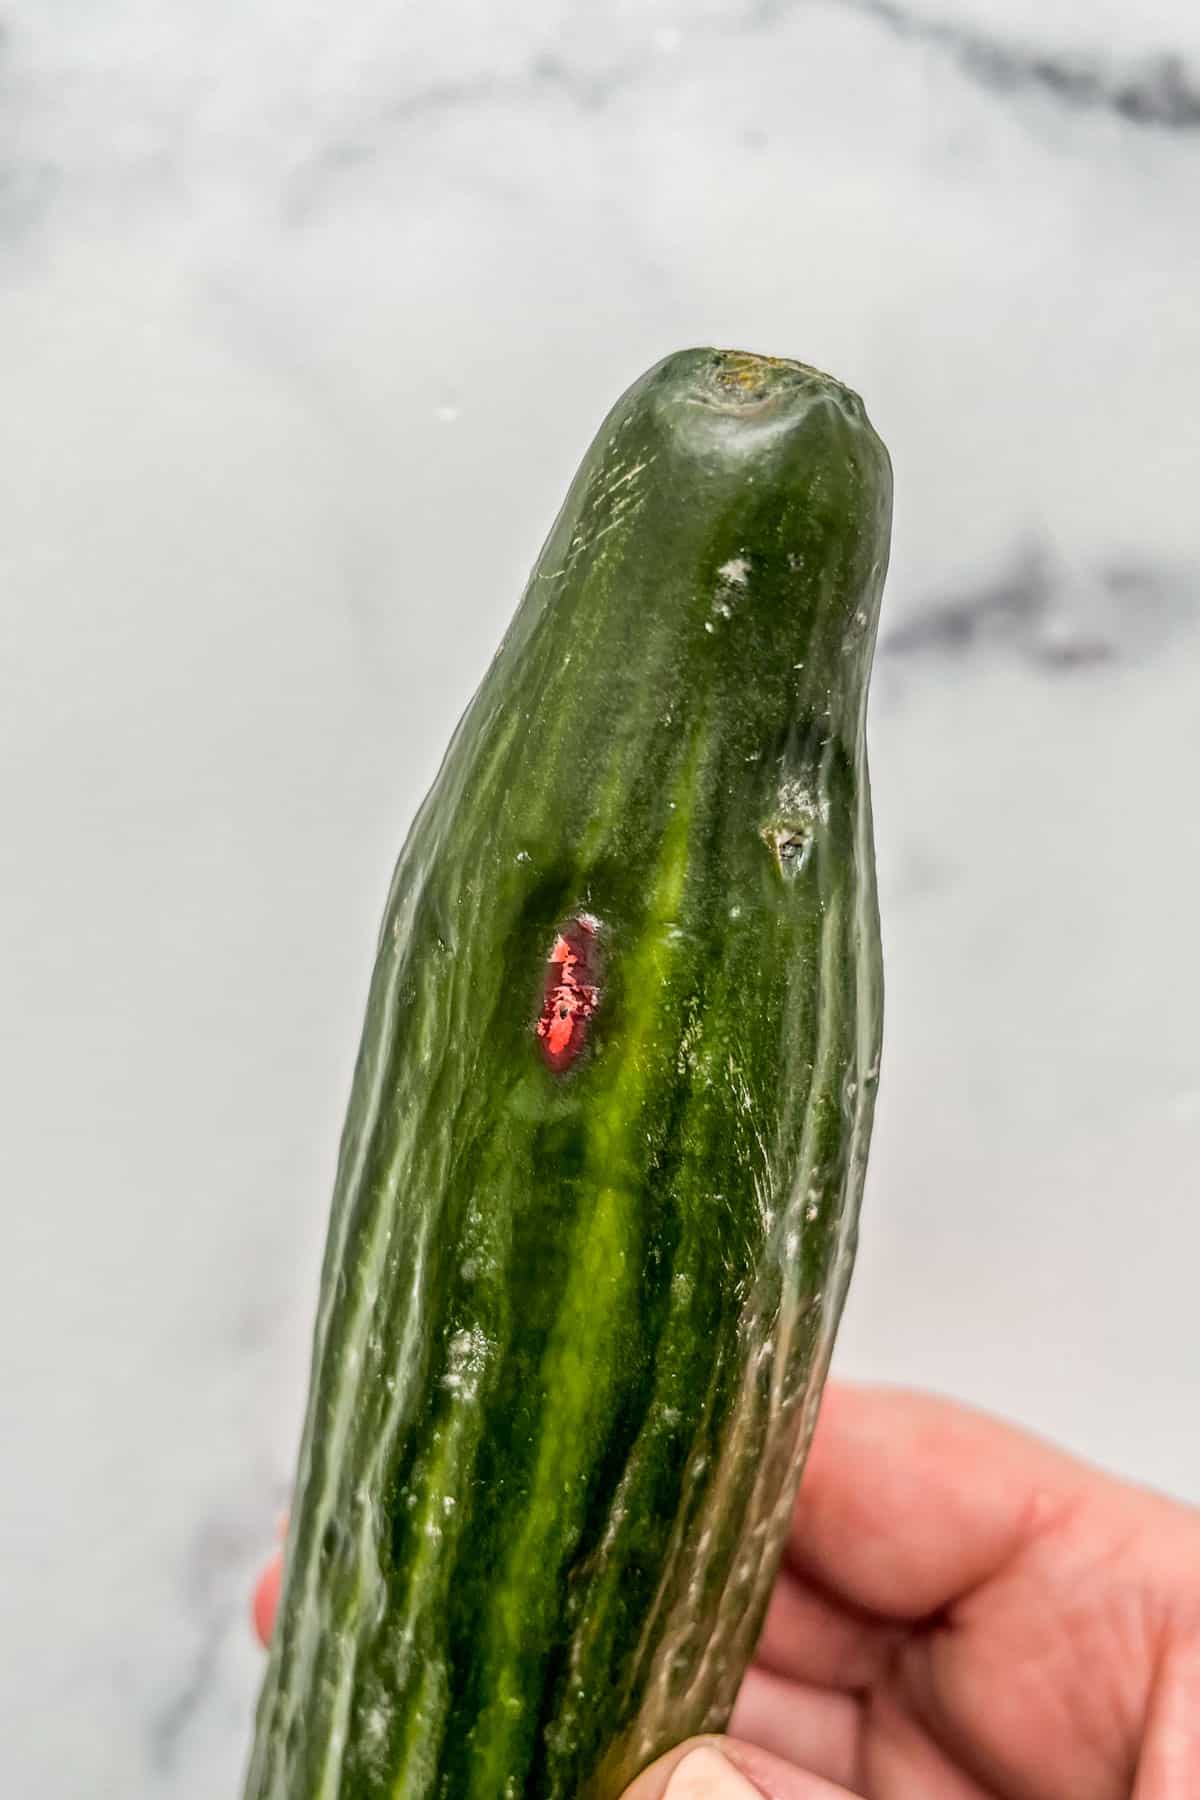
(762, 1330)
(580, 1360)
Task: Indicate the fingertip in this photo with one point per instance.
(702, 1773)
(716, 1768)
(266, 1599)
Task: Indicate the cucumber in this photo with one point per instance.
(596, 1200)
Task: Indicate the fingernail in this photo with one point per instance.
(705, 1775)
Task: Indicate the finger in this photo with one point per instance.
(725, 1769)
(812, 1727)
(1170, 1753)
(808, 1636)
(902, 1758)
(908, 1502)
(266, 1599)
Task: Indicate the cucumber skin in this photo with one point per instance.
(573, 1325)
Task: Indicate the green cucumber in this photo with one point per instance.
(596, 1201)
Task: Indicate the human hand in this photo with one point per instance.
(963, 1613)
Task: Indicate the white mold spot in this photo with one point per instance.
(466, 1359)
(791, 832)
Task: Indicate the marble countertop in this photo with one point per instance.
(306, 316)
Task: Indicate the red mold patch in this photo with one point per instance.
(572, 993)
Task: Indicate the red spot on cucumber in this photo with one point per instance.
(572, 993)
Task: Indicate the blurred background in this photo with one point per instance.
(306, 316)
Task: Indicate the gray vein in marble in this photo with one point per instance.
(170, 1725)
(1159, 91)
(1054, 619)
(220, 1559)
(545, 73)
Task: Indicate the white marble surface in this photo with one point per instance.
(305, 317)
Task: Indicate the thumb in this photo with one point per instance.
(723, 1769)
